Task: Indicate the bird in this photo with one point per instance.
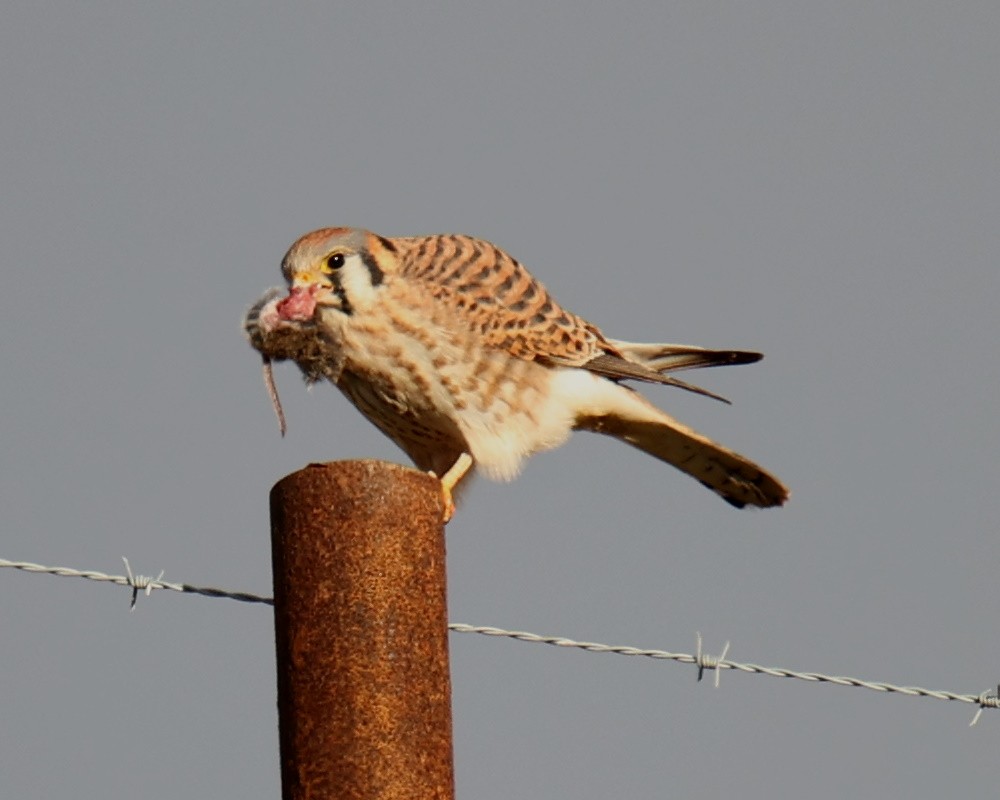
(464, 360)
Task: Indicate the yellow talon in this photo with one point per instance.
(450, 480)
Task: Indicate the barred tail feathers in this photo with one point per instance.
(631, 418)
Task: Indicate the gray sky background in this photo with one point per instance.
(817, 181)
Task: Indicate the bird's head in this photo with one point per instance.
(338, 268)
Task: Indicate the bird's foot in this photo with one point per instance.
(450, 480)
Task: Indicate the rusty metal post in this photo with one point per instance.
(360, 617)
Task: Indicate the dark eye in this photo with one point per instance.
(336, 261)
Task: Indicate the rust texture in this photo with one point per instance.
(364, 695)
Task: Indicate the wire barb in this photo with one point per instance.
(705, 661)
(140, 583)
(988, 699)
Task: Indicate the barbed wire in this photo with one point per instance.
(704, 661)
(137, 582)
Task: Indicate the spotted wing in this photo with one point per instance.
(495, 296)
(499, 299)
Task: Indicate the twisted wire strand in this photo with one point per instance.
(703, 661)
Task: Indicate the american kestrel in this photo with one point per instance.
(456, 353)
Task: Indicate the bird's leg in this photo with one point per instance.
(450, 480)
